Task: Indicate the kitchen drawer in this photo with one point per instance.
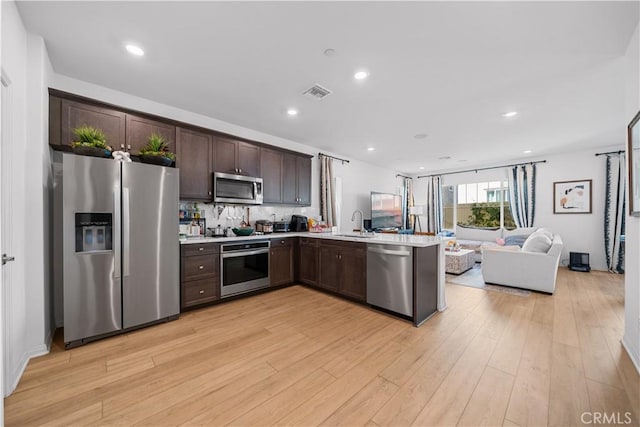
(287, 242)
(200, 267)
(200, 291)
(307, 241)
(191, 249)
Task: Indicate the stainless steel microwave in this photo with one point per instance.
(240, 189)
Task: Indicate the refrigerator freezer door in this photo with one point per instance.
(92, 291)
(151, 250)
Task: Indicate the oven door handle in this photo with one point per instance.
(245, 253)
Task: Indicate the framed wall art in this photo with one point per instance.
(633, 154)
(572, 197)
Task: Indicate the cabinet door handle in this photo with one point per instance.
(129, 147)
(122, 146)
(201, 249)
(282, 242)
(201, 292)
(201, 267)
(209, 192)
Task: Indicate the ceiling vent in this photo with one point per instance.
(317, 92)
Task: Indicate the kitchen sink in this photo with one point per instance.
(361, 236)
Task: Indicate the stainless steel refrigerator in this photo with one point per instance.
(116, 255)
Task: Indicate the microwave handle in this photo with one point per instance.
(255, 189)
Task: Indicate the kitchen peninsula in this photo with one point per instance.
(336, 263)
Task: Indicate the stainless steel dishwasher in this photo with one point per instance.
(390, 277)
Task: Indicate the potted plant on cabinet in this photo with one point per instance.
(91, 142)
(157, 152)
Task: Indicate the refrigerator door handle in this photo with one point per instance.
(117, 226)
(125, 232)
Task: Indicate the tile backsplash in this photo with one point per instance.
(232, 216)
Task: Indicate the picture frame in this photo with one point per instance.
(572, 197)
(633, 164)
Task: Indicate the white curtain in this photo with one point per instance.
(407, 222)
(327, 191)
(522, 194)
(614, 215)
(433, 208)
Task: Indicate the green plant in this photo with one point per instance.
(157, 146)
(88, 136)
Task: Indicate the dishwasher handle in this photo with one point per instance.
(389, 252)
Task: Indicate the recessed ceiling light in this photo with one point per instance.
(510, 114)
(421, 168)
(371, 149)
(527, 151)
(361, 75)
(444, 158)
(420, 136)
(292, 112)
(134, 50)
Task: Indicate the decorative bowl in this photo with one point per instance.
(244, 231)
(91, 151)
(155, 159)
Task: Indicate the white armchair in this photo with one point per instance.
(520, 269)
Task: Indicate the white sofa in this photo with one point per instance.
(521, 269)
(476, 239)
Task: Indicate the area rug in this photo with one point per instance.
(473, 278)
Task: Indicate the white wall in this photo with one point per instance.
(580, 232)
(25, 64)
(631, 339)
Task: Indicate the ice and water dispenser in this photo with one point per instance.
(94, 232)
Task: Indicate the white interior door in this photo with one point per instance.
(5, 275)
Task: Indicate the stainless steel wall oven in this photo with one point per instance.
(244, 267)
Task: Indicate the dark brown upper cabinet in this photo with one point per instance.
(75, 114)
(272, 177)
(296, 184)
(139, 129)
(239, 157)
(194, 158)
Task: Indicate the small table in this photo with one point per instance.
(457, 262)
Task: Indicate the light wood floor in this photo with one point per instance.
(300, 357)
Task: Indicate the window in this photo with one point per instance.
(448, 207)
(478, 204)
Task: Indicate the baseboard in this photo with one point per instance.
(633, 357)
(24, 361)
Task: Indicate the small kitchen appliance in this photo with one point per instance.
(264, 226)
(298, 223)
(280, 226)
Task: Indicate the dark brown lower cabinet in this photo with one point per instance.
(199, 274)
(340, 267)
(308, 261)
(353, 272)
(281, 262)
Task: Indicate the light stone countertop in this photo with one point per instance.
(378, 238)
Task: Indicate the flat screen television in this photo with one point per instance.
(386, 211)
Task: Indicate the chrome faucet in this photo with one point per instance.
(353, 218)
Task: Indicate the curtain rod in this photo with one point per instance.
(610, 152)
(404, 176)
(335, 158)
(484, 169)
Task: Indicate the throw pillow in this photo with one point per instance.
(545, 232)
(515, 240)
(500, 241)
(537, 242)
